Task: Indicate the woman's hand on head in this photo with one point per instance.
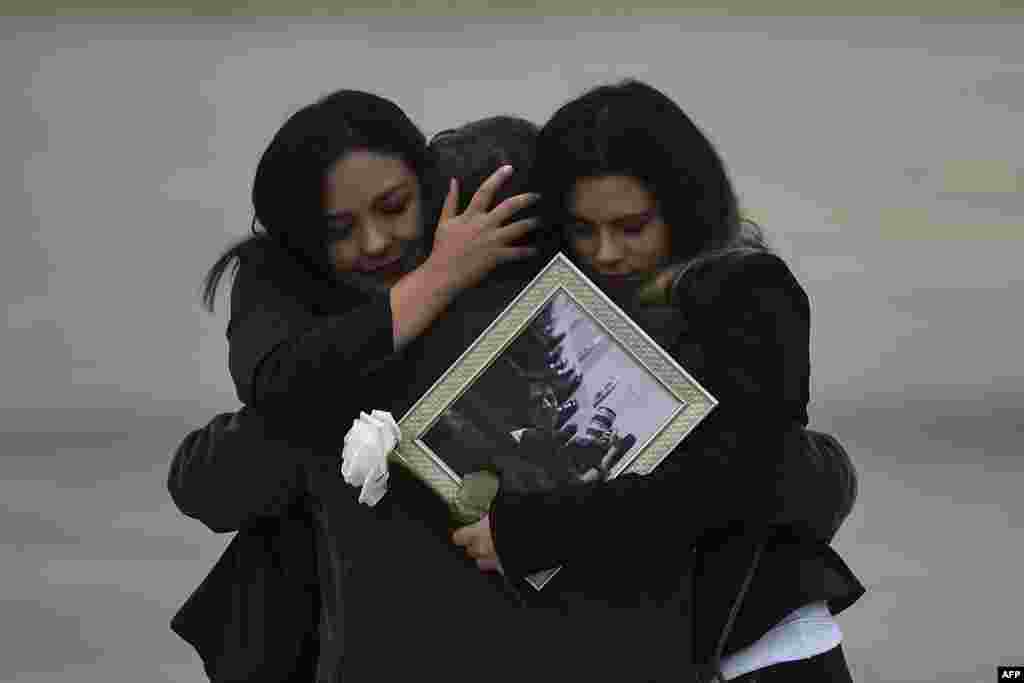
(478, 543)
(468, 245)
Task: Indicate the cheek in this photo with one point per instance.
(656, 245)
(342, 256)
(584, 249)
(409, 225)
(649, 252)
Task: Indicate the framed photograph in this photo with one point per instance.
(563, 387)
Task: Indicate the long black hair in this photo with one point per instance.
(630, 128)
(287, 192)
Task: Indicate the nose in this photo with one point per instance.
(609, 249)
(376, 241)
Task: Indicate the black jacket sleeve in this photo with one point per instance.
(236, 471)
(740, 466)
(285, 341)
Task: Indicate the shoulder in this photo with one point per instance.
(262, 260)
(735, 269)
(269, 280)
(268, 302)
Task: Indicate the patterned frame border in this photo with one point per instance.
(558, 275)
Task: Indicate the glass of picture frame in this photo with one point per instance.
(562, 387)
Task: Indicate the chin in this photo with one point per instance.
(391, 280)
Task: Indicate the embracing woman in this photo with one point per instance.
(347, 271)
(642, 199)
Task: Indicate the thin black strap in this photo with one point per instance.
(716, 661)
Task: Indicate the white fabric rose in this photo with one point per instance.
(364, 457)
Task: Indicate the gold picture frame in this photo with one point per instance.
(683, 402)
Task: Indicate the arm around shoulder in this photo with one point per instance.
(233, 472)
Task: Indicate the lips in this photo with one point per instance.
(617, 280)
(386, 268)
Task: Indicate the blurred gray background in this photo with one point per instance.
(883, 156)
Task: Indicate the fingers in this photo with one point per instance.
(473, 534)
(666, 278)
(484, 195)
(511, 206)
(451, 202)
(464, 536)
(489, 565)
(479, 549)
(514, 231)
(475, 539)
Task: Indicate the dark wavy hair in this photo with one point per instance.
(630, 128)
(472, 152)
(287, 191)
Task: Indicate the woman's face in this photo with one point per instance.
(373, 211)
(615, 226)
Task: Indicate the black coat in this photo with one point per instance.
(670, 549)
(251, 618)
(280, 458)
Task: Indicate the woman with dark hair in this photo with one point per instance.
(644, 199)
(326, 306)
(344, 193)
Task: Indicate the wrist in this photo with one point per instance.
(436, 278)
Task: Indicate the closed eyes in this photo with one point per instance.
(341, 226)
(632, 224)
(393, 206)
(636, 224)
